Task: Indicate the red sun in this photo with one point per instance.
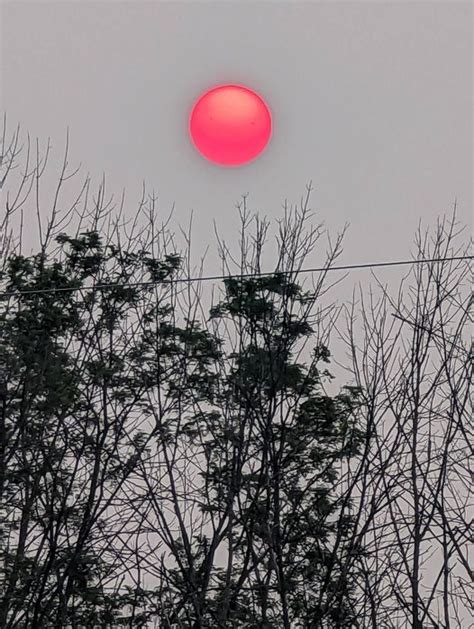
(230, 125)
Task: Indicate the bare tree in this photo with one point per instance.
(411, 359)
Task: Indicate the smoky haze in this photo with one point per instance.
(371, 101)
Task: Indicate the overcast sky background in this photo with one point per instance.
(372, 101)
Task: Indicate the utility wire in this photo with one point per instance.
(343, 267)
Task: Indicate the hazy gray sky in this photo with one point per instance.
(370, 100)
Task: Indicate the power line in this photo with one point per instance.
(343, 267)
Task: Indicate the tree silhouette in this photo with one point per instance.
(170, 464)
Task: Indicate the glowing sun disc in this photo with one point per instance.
(230, 125)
